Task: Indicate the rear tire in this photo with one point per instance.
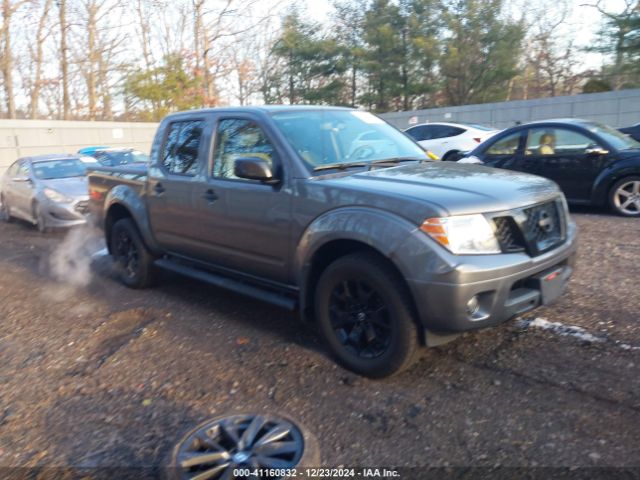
(624, 197)
(134, 262)
(365, 314)
(5, 211)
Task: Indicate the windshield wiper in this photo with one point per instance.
(340, 166)
(398, 160)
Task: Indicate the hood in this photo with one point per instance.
(74, 187)
(454, 189)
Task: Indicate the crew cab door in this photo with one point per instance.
(252, 235)
(173, 184)
(563, 155)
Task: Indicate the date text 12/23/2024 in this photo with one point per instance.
(316, 473)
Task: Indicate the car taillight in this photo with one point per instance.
(477, 139)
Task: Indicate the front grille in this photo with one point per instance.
(82, 206)
(534, 229)
(543, 228)
(508, 235)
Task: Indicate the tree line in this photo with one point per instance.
(140, 59)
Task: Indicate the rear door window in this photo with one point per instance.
(443, 131)
(182, 144)
(418, 133)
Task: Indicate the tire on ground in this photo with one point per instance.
(612, 196)
(143, 273)
(381, 277)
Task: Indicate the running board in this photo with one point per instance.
(228, 283)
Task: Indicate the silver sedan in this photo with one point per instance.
(46, 190)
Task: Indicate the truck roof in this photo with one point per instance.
(259, 109)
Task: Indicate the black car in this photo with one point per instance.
(633, 132)
(592, 163)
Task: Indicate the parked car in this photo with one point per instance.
(46, 190)
(113, 157)
(384, 253)
(633, 132)
(449, 140)
(593, 164)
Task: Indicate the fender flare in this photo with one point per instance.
(378, 229)
(128, 198)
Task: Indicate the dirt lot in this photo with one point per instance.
(104, 376)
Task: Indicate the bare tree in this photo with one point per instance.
(36, 50)
(64, 60)
(9, 8)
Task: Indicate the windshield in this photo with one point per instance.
(125, 157)
(59, 169)
(616, 139)
(327, 137)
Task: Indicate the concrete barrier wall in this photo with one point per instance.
(21, 138)
(618, 109)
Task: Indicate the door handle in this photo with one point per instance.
(158, 188)
(210, 196)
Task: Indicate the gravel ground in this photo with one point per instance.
(102, 376)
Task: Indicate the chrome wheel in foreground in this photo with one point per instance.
(221, 449)
(626, 198)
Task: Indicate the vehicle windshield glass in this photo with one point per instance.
(122, 157)
(616, 139)
(64, 168)
(327, 137)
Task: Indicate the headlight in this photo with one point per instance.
(463, 234)
(56, 196)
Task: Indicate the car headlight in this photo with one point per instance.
(56, 196)
(463, 234)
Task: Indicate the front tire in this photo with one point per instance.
(38, 218)
(624, 197)
(365, 315)
(5, 211)
(134, 262)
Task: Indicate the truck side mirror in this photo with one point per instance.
(253, 168)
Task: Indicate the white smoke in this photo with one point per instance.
(71, 261)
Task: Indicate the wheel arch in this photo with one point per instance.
(601, 189)
(124, 202)
(341, 232)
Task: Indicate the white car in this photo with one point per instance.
(449, 140)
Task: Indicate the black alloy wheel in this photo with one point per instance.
(134, 262)
(360, 319)
(365, 313)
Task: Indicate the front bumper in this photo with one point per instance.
(64, 214)
(505, 285)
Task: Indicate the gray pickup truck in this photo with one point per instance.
(335, 213)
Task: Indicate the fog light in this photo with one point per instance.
(473, 305)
